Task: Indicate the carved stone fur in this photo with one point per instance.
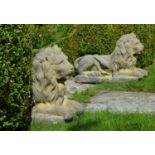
(50, 66)
(121, 61)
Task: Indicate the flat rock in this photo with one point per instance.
(122, 102)
(71, 87)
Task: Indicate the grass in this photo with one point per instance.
(108, 121)
(103, 121)
(146, 84)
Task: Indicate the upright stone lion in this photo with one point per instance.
(119, 65)
(50, 69)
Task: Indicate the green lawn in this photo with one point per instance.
(108, 121)
(103, 121)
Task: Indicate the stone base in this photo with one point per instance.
(47, 118)
(54, 114)
(99, 79)
(122, 75)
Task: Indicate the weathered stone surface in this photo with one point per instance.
(71, 86)
(47, 118)
(92, 80)
(122, 102)
(49, 66)
(121, 63)
(50, 69)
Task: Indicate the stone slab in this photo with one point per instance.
(98, 79)
(122, 102)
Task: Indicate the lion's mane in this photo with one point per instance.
(123, 55)
(49, 66)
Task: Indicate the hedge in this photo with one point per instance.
(15, 77)
(78, 40)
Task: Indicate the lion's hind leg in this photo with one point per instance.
(97, 65)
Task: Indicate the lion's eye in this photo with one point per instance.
(61, 62)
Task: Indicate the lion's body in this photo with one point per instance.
(50, 66)
(121, 58)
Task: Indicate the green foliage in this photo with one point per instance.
(78, 40)
(15, 77)
(103, 121)
(19, 43)
(147, 84)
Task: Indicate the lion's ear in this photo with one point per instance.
(133, 34)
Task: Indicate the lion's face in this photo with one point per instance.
(63, 69)
(137, 46)
(133, 44)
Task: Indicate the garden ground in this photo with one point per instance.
(104, 120)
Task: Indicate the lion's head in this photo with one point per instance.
(50, 66)
(123, 56)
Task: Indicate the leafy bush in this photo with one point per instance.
(15, 77)
(78, 40)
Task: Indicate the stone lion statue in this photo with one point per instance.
(120, 64)
(50, 69)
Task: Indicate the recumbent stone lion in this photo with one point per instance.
(120, 63)
(50, 68)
